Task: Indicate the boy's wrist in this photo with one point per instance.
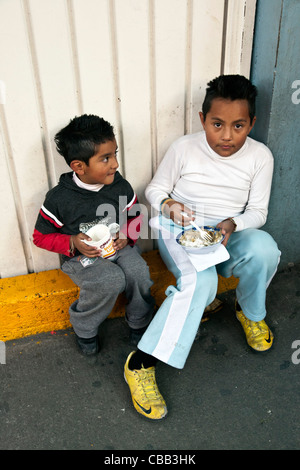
(163, 203)
(233, 222)
(72, 246)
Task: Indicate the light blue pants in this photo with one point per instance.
(254, 257)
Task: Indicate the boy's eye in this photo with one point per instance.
(217, 125)
(105, 160)
(238, 126)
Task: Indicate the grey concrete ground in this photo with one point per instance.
(227, 397)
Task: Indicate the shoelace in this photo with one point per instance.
(148, 384)
(256, 327)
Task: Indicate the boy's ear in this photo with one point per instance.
(202, 118)
(252, 123)
(77, 166)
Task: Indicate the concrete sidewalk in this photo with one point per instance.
(227, 397)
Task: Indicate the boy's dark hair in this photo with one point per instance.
(78, 140)
(232, 87)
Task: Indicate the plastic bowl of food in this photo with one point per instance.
(191, 240)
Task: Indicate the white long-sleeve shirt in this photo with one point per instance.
(216, 187)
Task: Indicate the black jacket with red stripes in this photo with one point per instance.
(69, 209)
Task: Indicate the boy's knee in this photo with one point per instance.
(116, 283)
(261, 245)
(136, 268)
(208, 280)
(112, 282)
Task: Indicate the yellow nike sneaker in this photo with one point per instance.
(258, 334)
(145, 395)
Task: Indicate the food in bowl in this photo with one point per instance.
(192, 240)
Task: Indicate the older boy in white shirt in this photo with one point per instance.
(219, 177)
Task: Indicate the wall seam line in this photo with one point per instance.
(20, 213)
(116, 78)
(188, 69)
(152, 71)
(74, 50)
(45, 138)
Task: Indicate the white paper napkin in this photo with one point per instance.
(200, 261)
(207, 260)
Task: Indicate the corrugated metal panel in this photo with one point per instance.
(141, 64)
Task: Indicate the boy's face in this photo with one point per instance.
(102, 166)
(227, 125)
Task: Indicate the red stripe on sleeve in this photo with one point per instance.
(49, 219)
(56, 242)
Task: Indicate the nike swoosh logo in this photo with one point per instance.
(144, 409)
(269, 339)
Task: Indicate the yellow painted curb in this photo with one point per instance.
(38, 303)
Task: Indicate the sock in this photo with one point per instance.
(140, 359)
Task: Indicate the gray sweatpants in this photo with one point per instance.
(100, 284)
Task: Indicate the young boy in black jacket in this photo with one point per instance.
(95, 193)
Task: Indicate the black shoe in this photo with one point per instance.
(88, 346)
(135, 335)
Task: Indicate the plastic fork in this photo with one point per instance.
(207, 236)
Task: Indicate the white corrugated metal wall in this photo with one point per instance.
(141, 64)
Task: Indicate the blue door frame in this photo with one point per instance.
(275, 70)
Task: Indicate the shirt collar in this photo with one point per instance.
(89, 187)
